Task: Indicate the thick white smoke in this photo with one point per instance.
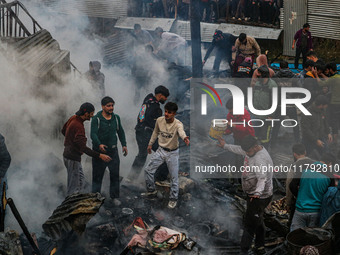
(32, 115)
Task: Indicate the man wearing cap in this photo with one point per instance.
(105, 126)
(224, 44)
(257, 183)
(245, 46)
(172, 46)
(75, 146)
(146, 121)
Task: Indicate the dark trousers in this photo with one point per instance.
(220, 55)
(98, 170)
(143, 136)
(300, 50)
(292, 114)
(254, 224)
(254, 11)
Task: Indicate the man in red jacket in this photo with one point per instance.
(239, 131)
(75, 146)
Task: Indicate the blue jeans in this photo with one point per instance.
(301, 220)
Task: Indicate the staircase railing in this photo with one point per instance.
(13, 26)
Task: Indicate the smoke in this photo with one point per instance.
(33, 114)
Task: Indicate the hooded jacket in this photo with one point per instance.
(96, 77)
(105, 131)
(240, 131)
(5, 157)
(149, 112)
(75, 139)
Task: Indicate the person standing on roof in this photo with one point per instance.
(223, 42)
(304, 43)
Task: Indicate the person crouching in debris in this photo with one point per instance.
(75, 146)
(5, 161)
(167, 130)
(96, 77)
(257, 183)
(104, 127)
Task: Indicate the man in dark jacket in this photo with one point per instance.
(223, 43)
(105, 126)
(304, 43)
(5, 161)
(315, 129)
(75, 146)
(96, 77)
(146, 120)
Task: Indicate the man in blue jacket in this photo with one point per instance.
(105, 126)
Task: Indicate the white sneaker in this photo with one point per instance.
(149, 194)
(172, 204)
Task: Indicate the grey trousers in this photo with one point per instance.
(171, 160)
(75, 177)
(301, 220)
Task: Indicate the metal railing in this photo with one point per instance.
(10, 23)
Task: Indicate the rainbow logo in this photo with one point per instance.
(204, 100)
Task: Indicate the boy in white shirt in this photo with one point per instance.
(167, 130)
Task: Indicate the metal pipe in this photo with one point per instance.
(22, 225)
(195, 27)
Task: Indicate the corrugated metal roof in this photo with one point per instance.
(182, 28)
(73, 214)
(111, 9)
(319, 25)
(146, 23)
(115, 50)
(295, 15)
(324, 18)
(324, 8)
(256, 32)
(38, 54)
